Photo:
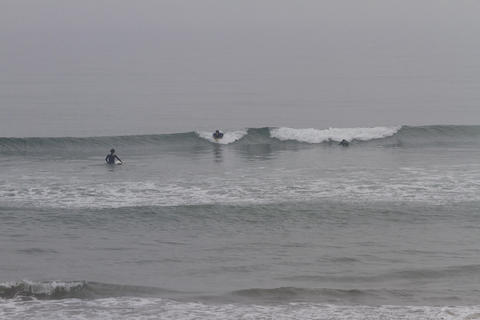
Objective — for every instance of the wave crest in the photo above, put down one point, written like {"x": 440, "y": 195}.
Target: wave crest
{"x": 41, "y": 290}
{"x": 332, "y": 134}
{"x": 397, "y": 136}
{"x": 55, "y": 290}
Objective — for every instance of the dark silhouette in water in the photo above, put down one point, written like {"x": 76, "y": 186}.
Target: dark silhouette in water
{"x": 217, "y": 135}
{"x": 344, "y": 143}
{"x": 110, "y": 158}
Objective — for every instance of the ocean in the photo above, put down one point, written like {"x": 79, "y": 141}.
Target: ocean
{"x": 267, "y": 223}
{"x": 275, "y": 221}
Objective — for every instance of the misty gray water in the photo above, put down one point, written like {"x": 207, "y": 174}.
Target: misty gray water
{"x": 274, "y": 221}
{"x": 260, "y": 218}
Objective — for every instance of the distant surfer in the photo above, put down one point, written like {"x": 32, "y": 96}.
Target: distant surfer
{"x": 217, "y": 135}
{"x": 344, "y": 143}
{"x": 110, "y": 158}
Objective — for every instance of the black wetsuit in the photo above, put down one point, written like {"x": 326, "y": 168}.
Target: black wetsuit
{"x": 110, "y": 158}
{"x": 218, "y": 135}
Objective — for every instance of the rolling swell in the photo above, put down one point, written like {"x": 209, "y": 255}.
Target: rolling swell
{"x": 61, "y": 145}
{"x": 328, "y": 295}
{"x": 56, "y": 290}
{"x": 355, "y": 296}
{"x": 86, "y": 290}
{"x": 405, "y": 136}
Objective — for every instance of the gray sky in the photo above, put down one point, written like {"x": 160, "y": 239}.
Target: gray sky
{"x": 72, "y": 65}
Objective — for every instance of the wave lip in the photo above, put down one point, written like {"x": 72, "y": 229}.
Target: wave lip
{"x": 228, "y": 136}
{"x": 42, "y": 290}
{"x": 311, "y": 135}
{"x": 57, "y": 290}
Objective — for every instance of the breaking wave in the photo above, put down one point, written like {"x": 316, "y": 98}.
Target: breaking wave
{"x": 397, "y": 136}
{"x": 333, "y": 134}
{"x": 60, "y": 290}
{"x": 55, "y": 290}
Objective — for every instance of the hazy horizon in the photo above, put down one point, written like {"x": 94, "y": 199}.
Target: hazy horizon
{"x": 117, "y": 67}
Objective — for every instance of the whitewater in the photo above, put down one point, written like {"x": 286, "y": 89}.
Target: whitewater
{"x": 271, "y": 222}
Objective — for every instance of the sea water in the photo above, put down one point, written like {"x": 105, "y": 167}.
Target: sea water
{"x": 267, "y": 223}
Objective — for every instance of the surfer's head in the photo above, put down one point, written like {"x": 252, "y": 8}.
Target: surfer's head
{"x": 112, "y": 150}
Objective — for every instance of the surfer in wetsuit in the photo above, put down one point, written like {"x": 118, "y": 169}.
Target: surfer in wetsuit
{"x": 110, "y": 158}
{"x": 344, "y": 143}
{"x": 217, "y": 135}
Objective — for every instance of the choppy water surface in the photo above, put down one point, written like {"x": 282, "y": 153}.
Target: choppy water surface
{"x": 269, "y": 222}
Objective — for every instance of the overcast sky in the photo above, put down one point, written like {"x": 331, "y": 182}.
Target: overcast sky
{"x": 372, "y": 62}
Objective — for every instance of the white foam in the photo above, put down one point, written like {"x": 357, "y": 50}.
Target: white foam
{"x": 332, "y": 134}
{"x": 228, "y": 136}
{"x": 155, "y": 308}
{"x": 439, "y": 184}
{"x": 45, "y": 288}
